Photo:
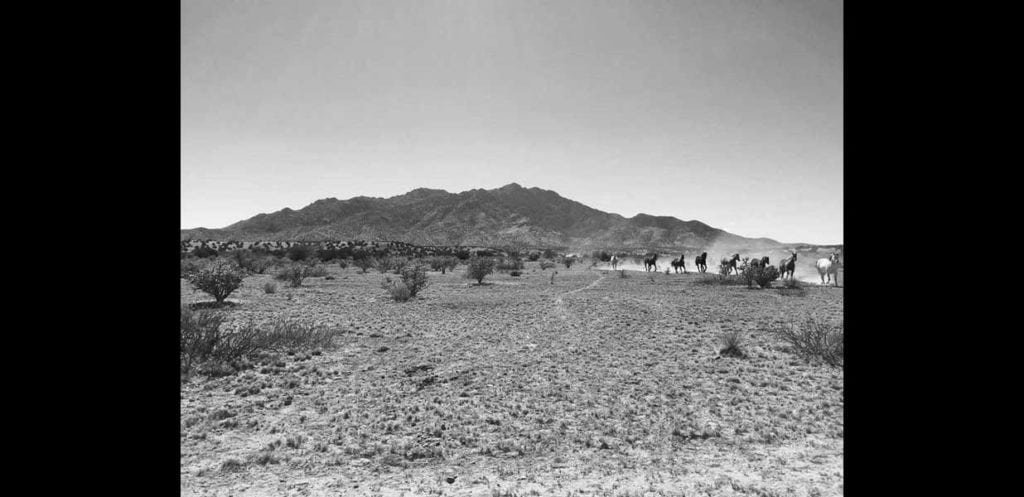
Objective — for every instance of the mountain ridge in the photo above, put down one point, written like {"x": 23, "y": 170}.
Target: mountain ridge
{"x": 511, "y": 215}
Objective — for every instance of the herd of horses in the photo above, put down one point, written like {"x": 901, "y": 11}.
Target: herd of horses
{"x": 827, "y": 267}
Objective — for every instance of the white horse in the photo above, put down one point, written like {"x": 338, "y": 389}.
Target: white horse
{"x": 615, "y": 262}
{"x": 829, "y": 267}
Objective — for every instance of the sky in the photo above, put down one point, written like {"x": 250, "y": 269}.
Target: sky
{"x": 724, "y": 111}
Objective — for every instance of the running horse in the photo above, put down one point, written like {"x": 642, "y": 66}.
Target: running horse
{"x": 701, "y": 261}
{"x": 829, "y": 267}
{"x": 651, "y": 262}
{"x": 731, "y": 262}
{"x": 615, "y": 262}
{"x": 788, "y": 266}
{"x": 679, "y": 263}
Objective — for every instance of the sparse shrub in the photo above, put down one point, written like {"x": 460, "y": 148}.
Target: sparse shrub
{"x": 792, "y": 287}
{"x": 622, "y": 274}
{"x": 250, "y": 261}
{"x": 731, "y": 344}
{"x": 269, "y": 287}
{"x": 218, "y": 279}
{"x": 289, "y": 334}
{"x": 293, "y": 275}
{"x": 568, "y": 261}
{"x": 516, "y": 273}
{"x": 189, "y": 266}
{"x": 232, "y": 465}
{"x": 546, "y": 265}
{"x": 199, "y": 333}
{"x": 314, "y": 271}
{"x": 398, "y": 290}
{"x": 384, "y": 263}
{"x": 533, "y": 256}
{"x": 203, "y": 252}
{"x": 479, "y": 267}
{"x": 443, "y": 263}
{"x": 364, "y": 263}
{"x": 343, "y": 263}
{"x": 510, "y": 264}
{"x": 415, "y": 277}
{"x": 724, "y": 269}
{"x": 299, "y": 252}
{"x": 762, "y": 276}
{"x": 814, "y": 340}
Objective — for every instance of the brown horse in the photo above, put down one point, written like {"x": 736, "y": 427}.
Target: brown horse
{"x": 651, "y": 262}
{"x": 679, "y": 263}
{"x": 788, "y": 266}
{"x": 701, "y": 261}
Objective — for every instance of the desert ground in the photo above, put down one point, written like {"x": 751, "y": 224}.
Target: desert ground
{"x": 594, "y": 384}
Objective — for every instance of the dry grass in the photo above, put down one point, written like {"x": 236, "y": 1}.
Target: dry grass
{"x": 592, "y": 385}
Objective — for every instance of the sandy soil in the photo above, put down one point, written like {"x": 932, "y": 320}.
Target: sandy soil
{"x": 593, "y": 385}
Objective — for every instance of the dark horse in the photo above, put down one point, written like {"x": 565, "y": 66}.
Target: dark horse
{"x": 651, "y": 262}
{"x": 761, "y": 263}
{"x": 701, "y": 261}
{"x": 679, "y": 263}
{"x": 731, "y": 262}
{"x": 788, "y": 266}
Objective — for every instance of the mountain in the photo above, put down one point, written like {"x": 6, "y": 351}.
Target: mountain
{"x": 508, "y": 216}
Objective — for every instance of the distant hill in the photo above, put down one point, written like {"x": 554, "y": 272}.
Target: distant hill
{"x": 506, "y": 216}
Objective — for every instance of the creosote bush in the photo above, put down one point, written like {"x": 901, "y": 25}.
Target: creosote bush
{"x": 211, "y": 348}
{"x": 546, "y": 265}
{"x": 364, "y": 263}
{"x": 398, "y": 290}
{"x": 293, "y": 275}
{"x": 414, "y": 276}
{"x": 762, "y": 276}
{"x": 814, "y": 339}
{"x": 269, "y": 287}
{"x": 479, "y": 267}
{"x": 218, "y": 279}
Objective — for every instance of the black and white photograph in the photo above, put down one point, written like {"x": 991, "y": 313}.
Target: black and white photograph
{"x": 511, "y": 248}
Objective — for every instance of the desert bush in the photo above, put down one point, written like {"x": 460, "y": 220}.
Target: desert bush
{"x": 314, "y": 271}
{"x": 479, "y": 267}
{"x": 299, "y": 252}
{"x": 762, "y": 276}
{"x": 510, "y": 264}
{"x": 533, "y": 256}
{"x": 720, "y": 279}
{"x": 568, "y": 261}
{"x": 203, "y": 252}
{"x": 250, "y": 261}
{"x": 343, "y": 263}
{"x": 516, "y": 273}
{"x": 724, "y": 269}
{"x": 293, "y": 275}
{"x": 218, "y": 279}
{"x": 414, "y": 276}
{"x": 398, "y": 290}
{"x": 364, "y": 263}
{"x": 207, "y": 346}
{"x": 443, "y": 263}
{"x": 287, "y": 334}
{"x": 269, "y": 287}
{"x": 384, "y": 263}
{"x": 190, "y": 266}
{"x": 546, "y": 265}
{"x": 731, "y": 344}
{"x": 792, "y": 287}
{"x": 813, "y": 340}
{"x": 622, "y": 274}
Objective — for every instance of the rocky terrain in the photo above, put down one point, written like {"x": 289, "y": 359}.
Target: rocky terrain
{"x": 587, "y": 384}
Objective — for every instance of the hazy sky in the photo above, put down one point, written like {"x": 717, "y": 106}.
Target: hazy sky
{"x": 728, "y": 112}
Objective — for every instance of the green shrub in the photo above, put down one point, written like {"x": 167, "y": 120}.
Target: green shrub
{"x": 762, "y": 276}
{"x": 364, "y": 263}
{"x": 218, "y": 279}
{"x": 269, "y": 287}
